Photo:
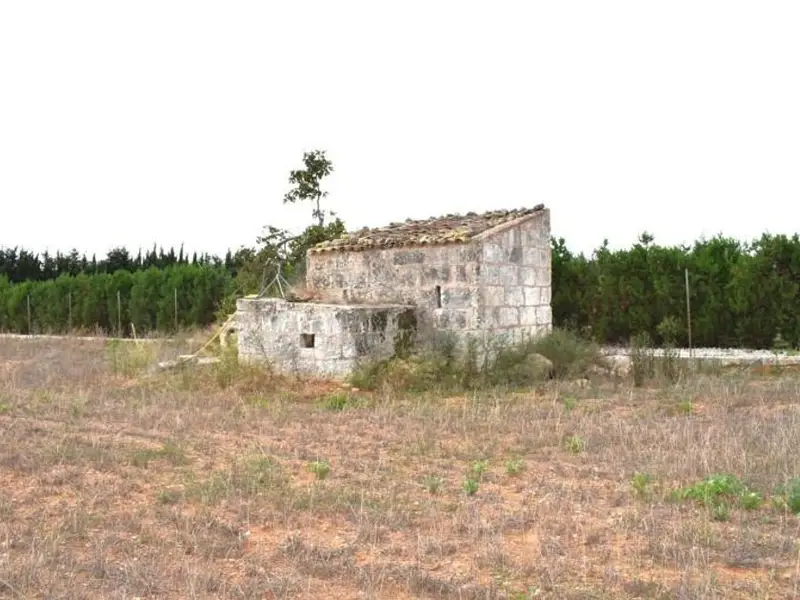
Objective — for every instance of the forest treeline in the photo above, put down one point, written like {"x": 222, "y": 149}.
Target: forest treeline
{"x": 20, "y": 265}
{"x": 741, "y": 294}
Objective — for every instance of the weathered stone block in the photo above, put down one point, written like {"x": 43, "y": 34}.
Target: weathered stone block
{"x": 529, "y": 276}
{"x": 545, "y": 295}
{"x": 459, "y": 297}
{"x": 494, "y": 295}
{"x": 441, "y": 319}
{"x": 532, "y": 296}
{"x": 504, "y": 275}
{"x": 543, "y": 276}
{"x": 545, "y": 257}
{"x": 494, "y": 253}
{"x": 465, "y": 253}
{"x": 544, "y": 315}
{"x": 530, "y": 256}
{"x": 456, "y": 320}
{"x": 506, "y": 316}
{"x": 514, "y": 296}
{"x": 435, "y": 275}
{"x": 529, "y": 315}
{"x": 409, "y": 257}
{"x": 407, "y": 278}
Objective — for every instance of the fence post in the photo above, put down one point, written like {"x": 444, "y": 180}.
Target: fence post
{"x": 175, "y": 297}
{"x": 30, "y": 327}
{"x": 69, "y": 311}
{"x": 119, "y": 316}
{"x": 688, "y": 312}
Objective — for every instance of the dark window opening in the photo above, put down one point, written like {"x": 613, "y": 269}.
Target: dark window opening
{"x": 438, "y": 296}
{"x": 306, "y": 340}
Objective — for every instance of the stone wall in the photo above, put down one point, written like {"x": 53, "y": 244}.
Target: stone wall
{"x": 440, "y": 281}
{"x": 319, "y": 339}
{"x": 515, "y": 276}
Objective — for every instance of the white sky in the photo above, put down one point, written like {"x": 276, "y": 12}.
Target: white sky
{"x": 165, "y": 121}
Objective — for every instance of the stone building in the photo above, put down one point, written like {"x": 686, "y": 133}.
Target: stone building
{"x": 475, "y": 275}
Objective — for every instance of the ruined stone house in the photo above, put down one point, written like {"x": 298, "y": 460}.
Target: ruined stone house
{"x": 474, "y": 275}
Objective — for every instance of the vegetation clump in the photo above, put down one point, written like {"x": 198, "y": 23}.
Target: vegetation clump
{"x": 718, "y": 492}
{"x": 447, "y": 368}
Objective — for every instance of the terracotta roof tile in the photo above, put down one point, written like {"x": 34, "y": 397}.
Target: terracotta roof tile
{"x": 449, "y": 229}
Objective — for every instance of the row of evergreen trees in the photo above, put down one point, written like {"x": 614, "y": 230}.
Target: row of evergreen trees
{"x": 741, "y": 295}
{"x": 152, "y": 299}
{"x": 19, "y": 265}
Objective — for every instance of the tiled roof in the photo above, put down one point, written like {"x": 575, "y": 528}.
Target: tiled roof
{"x": 449, "y": 229}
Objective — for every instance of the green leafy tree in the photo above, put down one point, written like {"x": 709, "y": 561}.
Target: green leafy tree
{"x": 280, "y": 253}
{"x": 307, "y": 182}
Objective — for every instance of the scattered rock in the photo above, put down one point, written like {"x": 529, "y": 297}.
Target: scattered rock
{"x": 540, "y": 365}
{"x": 621, "y": 365}
{"x": 612, "y": 365}
{"x": 187, "y": 360}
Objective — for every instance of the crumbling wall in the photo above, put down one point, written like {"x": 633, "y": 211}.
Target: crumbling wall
{"x": 319, "y": 339}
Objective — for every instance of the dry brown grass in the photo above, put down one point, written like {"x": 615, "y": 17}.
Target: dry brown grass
{"x": 119, "y": 483}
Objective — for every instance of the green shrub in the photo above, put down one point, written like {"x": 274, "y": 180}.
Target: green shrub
{"x": 575, "y": 444}
{"x": 514, "y": 466}
{"x": 789, "y": 495}
{"x": 129, "y": 358}
{"x": 641, "y": 482}
{"x": 432, "y": 483}
{"x": 642, "y": 358}
{"x": 320, "y": 468}
{"x": 341, "y": 401}
{"x": 571, "y": 354}
{"x": 719, "y": 492}
{"x": 445, "y": 367}
{"x": 470, "y": 486}
{"x": 712, "y": 488}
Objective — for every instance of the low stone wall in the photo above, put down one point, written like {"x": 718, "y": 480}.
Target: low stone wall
{"x": 319, "y": 339}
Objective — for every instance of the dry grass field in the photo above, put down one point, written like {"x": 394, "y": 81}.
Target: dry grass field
{"x": 226, "y": 482}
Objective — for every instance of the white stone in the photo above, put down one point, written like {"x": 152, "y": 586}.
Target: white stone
{"x": 544, "y": 315}
{"x": 533, "y": 296}
{"x": 514, "y": 296}
{"x": 494, "y": 295}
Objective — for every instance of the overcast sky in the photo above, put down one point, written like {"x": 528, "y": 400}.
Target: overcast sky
{"x": 129, "y": 123}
